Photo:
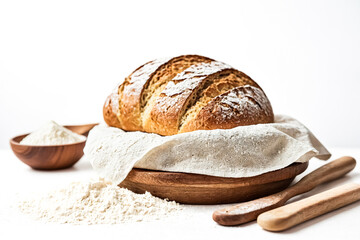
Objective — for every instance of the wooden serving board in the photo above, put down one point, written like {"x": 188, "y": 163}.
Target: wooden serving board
{"x": 202, "y": 189}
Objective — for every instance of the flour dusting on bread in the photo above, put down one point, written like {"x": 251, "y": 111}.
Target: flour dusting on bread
{"x": 143, "y": 73}
{"x": 192, "y": 76}
{"x": 187, "y": 93}
{"x": 247, "y": 98}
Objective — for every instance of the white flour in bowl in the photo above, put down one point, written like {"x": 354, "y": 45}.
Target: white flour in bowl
{"x": 52, "y": 134}
{"x": 97, "y": 202}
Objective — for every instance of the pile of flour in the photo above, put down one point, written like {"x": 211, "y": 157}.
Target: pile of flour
{"x": 97, "y": 202}
{"x": 52, "y": 134}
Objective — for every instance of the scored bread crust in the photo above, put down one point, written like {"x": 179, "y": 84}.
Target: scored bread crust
{"x": 241, "y": 106}
{"x": 131, "y": 92}
{"x": 186, "y": 93}
{"x": 171, "y": 104}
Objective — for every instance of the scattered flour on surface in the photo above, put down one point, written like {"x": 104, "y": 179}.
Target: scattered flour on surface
{"x": 97, "y": 202}
{"x": 52, "y": 134}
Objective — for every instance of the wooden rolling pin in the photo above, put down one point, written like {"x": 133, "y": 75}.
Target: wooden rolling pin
{"x": 284, "y": 217}
{"x": 249, "y": 211}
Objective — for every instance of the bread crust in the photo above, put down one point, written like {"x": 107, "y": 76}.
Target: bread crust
{"x": 130, "y": 94}
{"x": 241, "y": 106}
{"x": 111, "y": 110}
{"x": 132, "y": 90}
{"x": 173, "y": 101}
{"x": 186, "y": 93}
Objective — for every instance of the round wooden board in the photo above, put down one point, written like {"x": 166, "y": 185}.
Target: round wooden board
{"x": 202, "y": 189}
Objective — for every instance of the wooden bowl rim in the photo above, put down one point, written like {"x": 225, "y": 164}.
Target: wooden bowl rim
{"x": 144, "y": 176}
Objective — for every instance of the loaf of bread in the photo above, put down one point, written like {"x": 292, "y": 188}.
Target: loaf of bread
{"x": 184, "y": 94}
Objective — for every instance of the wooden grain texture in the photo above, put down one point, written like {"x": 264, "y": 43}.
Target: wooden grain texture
{"x": 249, "y": 211}
{"x": 81, "y": 129}
{"x": 285, "y": 217}
{"x": 51, "y": 157}
{"x": 202, "y": 189}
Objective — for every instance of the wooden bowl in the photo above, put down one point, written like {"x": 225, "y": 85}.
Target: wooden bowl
{"x": 201, "y": 189}
{"x": 51, "y": 157}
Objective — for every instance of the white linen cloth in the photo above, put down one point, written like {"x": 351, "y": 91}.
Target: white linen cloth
{"x": 243, "y": 151}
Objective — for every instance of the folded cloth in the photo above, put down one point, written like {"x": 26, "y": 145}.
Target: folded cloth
{"x": 243, "y": 151}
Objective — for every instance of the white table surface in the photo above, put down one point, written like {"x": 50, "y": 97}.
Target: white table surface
{"x": 195, "y": 221}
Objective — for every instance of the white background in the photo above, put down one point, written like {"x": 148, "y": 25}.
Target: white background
{"x": 60, "y": 59}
